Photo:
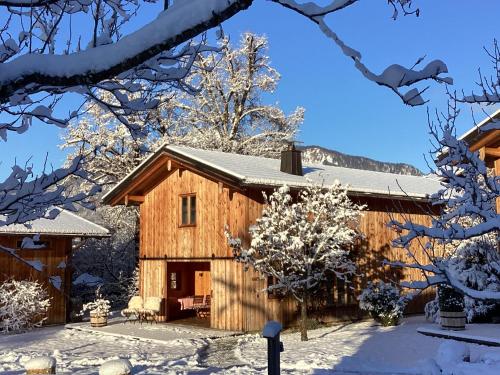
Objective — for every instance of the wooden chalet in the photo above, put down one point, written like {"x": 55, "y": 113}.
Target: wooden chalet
{"x": 188, "y": 196}
{"x": 48, "y": 259}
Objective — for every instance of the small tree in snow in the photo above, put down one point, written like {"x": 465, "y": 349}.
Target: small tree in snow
{"x": 23, "y": 305}
{"x": 99, "y": 306}
{"x": 299, "y": 242}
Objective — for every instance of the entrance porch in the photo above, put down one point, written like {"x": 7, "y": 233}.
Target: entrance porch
{"x": 188, "y": 293}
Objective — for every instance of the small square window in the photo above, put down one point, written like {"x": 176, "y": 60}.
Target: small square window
{"x": 188, "y": 210}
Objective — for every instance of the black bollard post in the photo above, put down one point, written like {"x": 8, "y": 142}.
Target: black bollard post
{"x": 271, "y": 332}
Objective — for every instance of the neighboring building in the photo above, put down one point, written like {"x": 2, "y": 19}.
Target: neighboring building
{"x": 187, "y": 197}
{"x": 486, "y": 140}
{"x": 48, "y": 259}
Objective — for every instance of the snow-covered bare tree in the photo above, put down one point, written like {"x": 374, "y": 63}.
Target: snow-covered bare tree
{"x": 228, "y": 113}
{"x": 489, "y": 86}
{"x": 46, "y": 54}
{"x": 302, "y": 239}
{"x": 468, "y": 211}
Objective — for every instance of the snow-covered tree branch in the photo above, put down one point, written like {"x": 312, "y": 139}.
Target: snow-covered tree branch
{"x": 24, "y": 198}
{"x": 489, "y": 87}
{"x": 467, "y": 205}
{"x": 395, "y": 77}
{"x": 44, "y": 56}
{"x": 301, "y": 241}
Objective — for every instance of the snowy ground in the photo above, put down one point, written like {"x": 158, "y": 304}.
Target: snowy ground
{"x": 345, "y": 349}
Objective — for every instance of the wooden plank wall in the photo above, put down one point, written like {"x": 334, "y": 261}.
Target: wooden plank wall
{"x": 59, "y": 250}
{"x": 153, "y": 281}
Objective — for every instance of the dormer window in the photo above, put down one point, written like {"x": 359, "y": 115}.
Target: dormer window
{"x": 188, "y": 210}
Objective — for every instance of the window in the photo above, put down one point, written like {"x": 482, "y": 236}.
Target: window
{"x": 174, "y": 281}
{"x": 188, "y": 210}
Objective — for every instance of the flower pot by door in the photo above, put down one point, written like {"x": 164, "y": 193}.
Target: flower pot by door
{"x": 454, "y": 321}
{"x": 98, "y": 320}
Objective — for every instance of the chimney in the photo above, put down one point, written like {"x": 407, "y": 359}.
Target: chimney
{"x": 291, "y": 160}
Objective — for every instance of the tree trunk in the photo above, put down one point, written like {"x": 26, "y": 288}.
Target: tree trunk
{"x": 303, "y": 318}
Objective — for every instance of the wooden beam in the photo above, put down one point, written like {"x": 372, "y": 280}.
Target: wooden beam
{"x": 221, "y": 187}
{"x": 130, "y": 199}
{"x": 486, "y": 140}
{"x": 135, "y": 198}
{"x": 497, "y": 173}
{"x": 490, "y": 151}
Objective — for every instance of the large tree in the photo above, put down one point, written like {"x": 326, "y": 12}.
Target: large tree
{"x": 229, "y": 113}
{"x": 44, "y": 55}
{"x": 302, "y": 241}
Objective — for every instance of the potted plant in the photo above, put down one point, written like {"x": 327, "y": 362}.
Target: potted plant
{"x": 451, "y": 308}
{"x": 384, "y": 303}
{"x": 99, "y": 310}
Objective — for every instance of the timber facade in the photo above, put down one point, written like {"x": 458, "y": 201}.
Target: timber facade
{"x": 53, "y": 255}
{"x": 184, "y": 252}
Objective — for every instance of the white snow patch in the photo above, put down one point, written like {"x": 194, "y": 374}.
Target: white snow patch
{"x": 87, "y": 279}
{"x": 116, "y": 367}
{"x": 452, "y": 352}
{"x": 40, "y": 363}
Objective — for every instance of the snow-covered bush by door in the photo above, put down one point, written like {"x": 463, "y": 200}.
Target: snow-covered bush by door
{"x": 23, "y": 305}
{"x": 99, "y": 306}
{"x": 476, "y": 264}
{"x": 384, "y": 302}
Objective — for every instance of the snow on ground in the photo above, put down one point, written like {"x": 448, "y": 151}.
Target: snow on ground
{"x": 362, "y": 347}
{"x": 82, "y": 352}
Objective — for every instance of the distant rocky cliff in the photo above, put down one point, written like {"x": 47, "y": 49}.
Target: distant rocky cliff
{"x": 320, "y": 155}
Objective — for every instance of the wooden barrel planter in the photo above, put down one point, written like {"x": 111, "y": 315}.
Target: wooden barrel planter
{"x": 454, "y": 321}
{"x": 98, "y": 320}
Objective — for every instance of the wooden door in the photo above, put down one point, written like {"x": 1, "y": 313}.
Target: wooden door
{"x": 202, "y": 283}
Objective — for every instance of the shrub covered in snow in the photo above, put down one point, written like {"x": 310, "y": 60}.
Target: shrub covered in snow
{"x": 116, "y": 367}
{"x": 384, "y": 302}
{"x": 475, "y": 264}
{"x": 450, "y": 299}
{"x": 23, "y": 305}
{"x": 99, "y": 306}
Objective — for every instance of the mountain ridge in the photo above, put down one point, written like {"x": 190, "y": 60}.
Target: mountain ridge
{"x": 313, "y": 154}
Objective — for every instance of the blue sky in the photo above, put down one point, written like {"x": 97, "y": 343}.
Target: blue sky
{"x": 344, "y": 111}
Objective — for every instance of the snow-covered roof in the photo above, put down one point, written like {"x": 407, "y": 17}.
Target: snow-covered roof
{"x": 262, "y": 172}
{"x": 64, "y": 224}
{"x": 476, "y": 130}
{"x": 252, "y": 170}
